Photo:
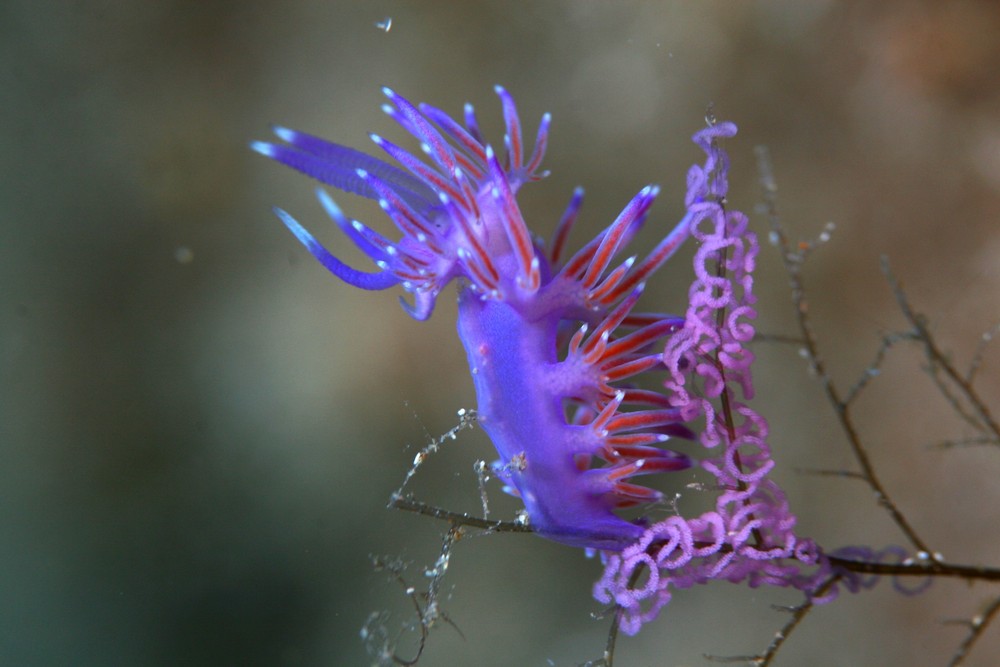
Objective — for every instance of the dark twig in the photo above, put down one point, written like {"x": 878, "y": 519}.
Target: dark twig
{"x": 923, "y": 568}
{"x": 408, "y": 504}
{"x": 941, "y": 382}
{"x": 798, "y": 614}
{"x": 781, "y": 636}
{"x": 975, "y": 441}
{"x": 939, "y": 360}
{"x": 977, "y": 624}
{"x": 875, "y": 367}
{"x": 387, "y": 654}
{"x": 928, "y": 567}
{"x": 425, "y": 605}
{"x": 716, "y": 360}
{"x": 822, "y": 472}
{"x": 609, "y": 647}
{"x": 792, "y": 260}
{"x": 608, "y": 658}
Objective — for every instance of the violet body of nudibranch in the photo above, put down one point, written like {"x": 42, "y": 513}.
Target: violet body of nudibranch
{"x": 549, "y": 340}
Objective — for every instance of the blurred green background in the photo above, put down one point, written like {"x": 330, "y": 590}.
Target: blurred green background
{"x": 200, "y": 428}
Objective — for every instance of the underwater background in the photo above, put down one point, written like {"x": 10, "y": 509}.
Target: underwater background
{"x": 200, "y": 428}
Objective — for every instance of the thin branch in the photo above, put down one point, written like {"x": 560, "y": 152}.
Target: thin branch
{"x": 716, "y": 360}
{"x": 466, "y": 420}
{"x": 875, "y": 367}
{"x": 375, "y": 634}
{"x": 928, "y": 567}
{"x": 482, "y": 476}
{"x": 781, "y": 636}
{"x": 976, "y": 441}
{"x": 609, "y": 647}
{"x": 800, "y": 612}
{"x": 608, "y": 659}
{"x": 792, "y": 260}
{"x": 388, "y": 654}
{"x": 951, "y": 398}
{"x": 977, "y": 625}
{"x": 425, "y": 603}
{"x": 408, "y": 504}
{"x": 822, "y": 472}
{"x": 937, "y": 358}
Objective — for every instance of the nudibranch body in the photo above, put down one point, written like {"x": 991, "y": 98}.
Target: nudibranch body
{"x": 549, "y": 340}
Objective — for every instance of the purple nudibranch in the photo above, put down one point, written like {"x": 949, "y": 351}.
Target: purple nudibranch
{"x": 549, "y": 340}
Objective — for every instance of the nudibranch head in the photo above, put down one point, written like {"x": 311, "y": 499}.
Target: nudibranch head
{"x": 550, "y": 341}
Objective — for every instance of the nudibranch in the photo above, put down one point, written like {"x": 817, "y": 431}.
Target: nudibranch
{"x": 550, "y": 341}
